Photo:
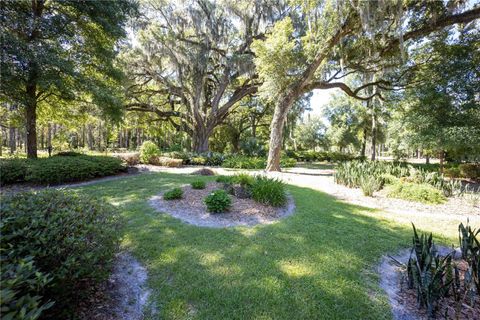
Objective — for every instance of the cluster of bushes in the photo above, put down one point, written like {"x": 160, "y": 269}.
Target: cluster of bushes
{"x": 464, "y": 170}
{"x": 260, "y": 188}
{"x": 406, "y": 181}
{"x": 244, "y": 162}
{"x": 58, "y": 169}
{"x": 150, "y": 153}
{"x": 435, "y": 277}
{"x": 321, "y": 156}
{"x": 54, "y": 246}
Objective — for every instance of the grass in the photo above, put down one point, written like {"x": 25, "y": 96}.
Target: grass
{"x": 318, "y": 263}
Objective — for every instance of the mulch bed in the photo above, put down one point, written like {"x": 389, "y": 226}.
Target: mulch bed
{"x": 246, "y": 212}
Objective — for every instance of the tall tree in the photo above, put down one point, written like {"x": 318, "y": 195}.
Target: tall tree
{"x": 441, "y": 112}
{"x": 59, "y": 49}
{"x": 194, "y": 63}
{"x": 335, "y": 39}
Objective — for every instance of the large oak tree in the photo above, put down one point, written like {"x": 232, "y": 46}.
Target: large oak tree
{"x": 193, "y": 62}
{"x": 335, "y": 39}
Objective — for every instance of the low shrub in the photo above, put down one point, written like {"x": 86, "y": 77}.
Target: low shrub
{"x": 453, "y": 172}
{"x": 198, "y": 184}
{"x": 198, "y": 161}
{"x": 148, "y": 152}
{"x": 244, "y": 162}
{"x": 470, "y": 170}
{"x": 416, "y": 192}
{"x": 12, "y": 170}
{"x": 55, "y": 244}
{"x": 173, "y": 194}
{"x": 56, "y": 170}
{"x": 218, "y": 201}
{"x": 269, "y": 191}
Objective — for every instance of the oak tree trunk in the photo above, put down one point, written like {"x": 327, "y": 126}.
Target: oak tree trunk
{"x": 31, "y": 121}
{"x": 374, "y": 135}
{"x": 200, "y": 139}
{"x": 276, "y": 132}
{"x": 12, "y": 140}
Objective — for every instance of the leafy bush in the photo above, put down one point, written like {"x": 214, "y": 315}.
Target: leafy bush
{"x": 61, "y": 169}
{"x": 54, "y": 245}
{"x": 269, "y": 191}
{"x": 173, "y": 194}
{"x": 148, "y": 151}
{"x": 12, "y": 170}
{"x": 453, "y": 172}
{"x": 198, "y": 184}
{"x": 218, "y": 201}
{"x": 416, "y": 192}
{"x": 470, "y": 170}
{"x": 244, "y": 162}
{"x": 56, "y": 170}
{"x": 198, "y": 161}
{"x": 321, "y": 156}
{"x": 370, "y": 184}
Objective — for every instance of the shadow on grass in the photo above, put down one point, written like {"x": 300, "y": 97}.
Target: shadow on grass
{"x": 308, "y": 266}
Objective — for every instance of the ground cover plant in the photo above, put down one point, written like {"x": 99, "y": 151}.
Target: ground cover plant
{"x": 54, "y": 245}
{"x": 294, "y": 268}
{"x": 424, "y": 193}
{"x": 58, "y": 169}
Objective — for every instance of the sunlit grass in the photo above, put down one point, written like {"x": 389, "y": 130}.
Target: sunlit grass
{"x": 316, "y": 264}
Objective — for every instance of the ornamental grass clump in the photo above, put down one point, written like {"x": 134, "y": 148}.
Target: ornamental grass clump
{"x": 218, "y": 201}
{"x": 269, "y": 191}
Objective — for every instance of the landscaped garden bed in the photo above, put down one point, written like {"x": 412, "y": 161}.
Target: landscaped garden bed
{"x": 435, "y": 282}
{"x": 191, "y": 204}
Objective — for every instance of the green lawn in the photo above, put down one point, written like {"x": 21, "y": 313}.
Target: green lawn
{"x": 316, "y": 264}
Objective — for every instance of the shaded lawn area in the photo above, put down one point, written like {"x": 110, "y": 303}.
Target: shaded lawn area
{"x": 317, "y": 264}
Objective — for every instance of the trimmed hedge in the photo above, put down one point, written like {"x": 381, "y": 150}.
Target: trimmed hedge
{"x": 244, "y": 162}
{"x": 55, "y": 245}
{"x": 321, "y": 156}
{"x": 58, "y": 169}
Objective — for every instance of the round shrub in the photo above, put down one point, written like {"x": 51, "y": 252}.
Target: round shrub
{"x": 54, "y": 244}
{"x": 148, "y": 151}
{"x": 173, "y": 194}
{"x": 424, "y": 193}
{"x": 243, "y": 179}
{"x": 218, "y": 201}
{"x": 269, "y": 191}
{"x": 198, "y": 184}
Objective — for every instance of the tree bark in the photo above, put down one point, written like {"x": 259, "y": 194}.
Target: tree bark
{"x": 374, "y": 133}
{"x": 31, "y": 121}
{"x": 364, "y": 142}
{"x": 441, "y": 157}
{"x": 276, "y": 132}
{"x": 200, "y": 139}
{"x": 49, "y": 139}
{"x": 12, "y": 140}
